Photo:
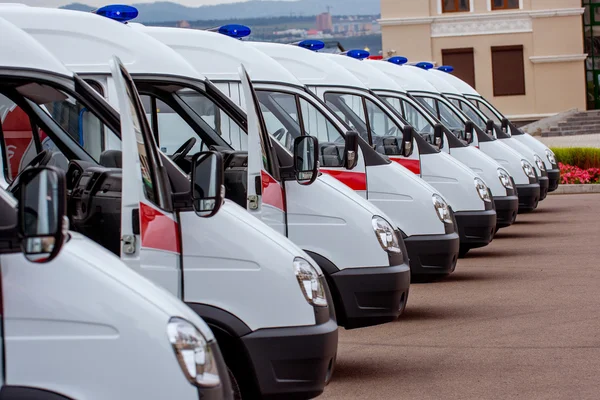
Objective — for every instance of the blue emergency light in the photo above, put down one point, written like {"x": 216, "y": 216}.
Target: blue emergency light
{"x": 398, "y": 60}
{"x": 311, "y": 44}
{"x": 358, "y": 54}
{"x": 118, "y": 12}
{"x": 235, "y": 31}
{"x": 424, "y": 65}
{"x": 446, "y": 68}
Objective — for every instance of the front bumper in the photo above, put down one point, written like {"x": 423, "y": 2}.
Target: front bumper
{"x": 223, "y": 391}
{"x": 507, "y": 208}
{"x": 554, "y": 179}
{"x": 432, "y": 254}
{"x": 370, "y": 296}
{"x": 293, "y": 362}
{"x": 544, "y": 187}
{"x": 529, "y": 196}
{"x": 475, "y": 228}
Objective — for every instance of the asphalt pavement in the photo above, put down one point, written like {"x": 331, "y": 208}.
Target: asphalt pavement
{"x": 519, "y": 319}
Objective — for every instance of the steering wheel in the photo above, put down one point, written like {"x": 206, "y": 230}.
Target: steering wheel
{"x": 278, "y": 134}
{"x": 184, "y": 150}
{"x": 392, "y": 131}
{"x": 41, "y": 159}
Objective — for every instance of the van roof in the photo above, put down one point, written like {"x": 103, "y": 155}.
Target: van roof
{"x": 440, "y": 84}
{"x": 366, "y": 72}
{"x": 85, "y": 42}
{"x": 404, "y": 76}
{"x": 309, "y": 67}
{"x": 219, "y": 57}
{"x": 21, "y": 51}
{"x": 455, "y": 81}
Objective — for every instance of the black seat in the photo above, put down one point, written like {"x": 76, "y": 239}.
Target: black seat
{"x": 332, "y": 155}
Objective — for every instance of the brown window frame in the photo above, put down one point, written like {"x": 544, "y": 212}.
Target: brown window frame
{"x": 497, "y": 92}
{"x": 462, "y": 50}
{"x": 456, "y": 7}
{"x": 504, "y": 6}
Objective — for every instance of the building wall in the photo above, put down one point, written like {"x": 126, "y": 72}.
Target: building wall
{"x": 550, "y": 32}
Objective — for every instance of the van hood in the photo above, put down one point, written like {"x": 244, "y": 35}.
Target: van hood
{"x": 351, "y": 195}
{"x": 89, "y": 252}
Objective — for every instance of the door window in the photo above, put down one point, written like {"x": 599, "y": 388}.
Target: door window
{"x": 380, "y": 123}
{"x": 350, "y": 109}
{"x": 172, "y": 130}
{"x": 473, "y": 115}
{"x": 487, "y": 111}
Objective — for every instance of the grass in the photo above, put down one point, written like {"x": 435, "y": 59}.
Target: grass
{"x": 582, "y": 157}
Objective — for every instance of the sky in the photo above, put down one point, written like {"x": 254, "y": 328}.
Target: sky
{"x": 95, "y": 3}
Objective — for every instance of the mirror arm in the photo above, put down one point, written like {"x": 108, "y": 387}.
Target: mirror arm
{"x": 287, "y": 173}
{"x": 182, "y": 201}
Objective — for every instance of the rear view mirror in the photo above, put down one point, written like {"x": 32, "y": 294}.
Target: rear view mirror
{"x": 505, "y": 123}
{"x": 351, "y": 150}
{"x": 407, "y": 140}
{"x": 42, "y": 213}
{"x": 469, "y": 129}
{"x": 208, "y": 190}
{"x": 438, "y": 136}
{"x": 306, "y": 159}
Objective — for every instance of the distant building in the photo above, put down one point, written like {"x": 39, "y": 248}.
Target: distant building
{"x": 183, "y": 24}
{"x": 526, "y": 56}
{"x": 324, "y": 22}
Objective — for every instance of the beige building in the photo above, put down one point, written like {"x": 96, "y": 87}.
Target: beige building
{"x": 526, "y": 56}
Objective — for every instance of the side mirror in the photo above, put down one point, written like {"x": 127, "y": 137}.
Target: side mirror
{"x": 505, "y": 123}
{"x": 208, "y": 190}
{"x": 438, "y": 136}
{"x": 469, "y": 129}
{"x": 43, "y": 224}
{"x": 306, "y": 159}
{"x": 407, "y": 140}
{"x": 351, "y": 150}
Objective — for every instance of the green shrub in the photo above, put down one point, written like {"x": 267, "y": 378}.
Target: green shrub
{"x": 582, "y": 157}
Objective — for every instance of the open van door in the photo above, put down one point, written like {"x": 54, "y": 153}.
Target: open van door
{"x": 265, "y": 193}
{"x": 150, "y": 237}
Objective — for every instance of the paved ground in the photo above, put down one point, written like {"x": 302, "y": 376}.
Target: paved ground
{"x": 518, "y": 319}
{"x": 571, "y": 141}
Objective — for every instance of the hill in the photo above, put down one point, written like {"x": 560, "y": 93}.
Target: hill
{"x": 168, "y": 11}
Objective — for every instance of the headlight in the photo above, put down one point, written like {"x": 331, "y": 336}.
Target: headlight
{"x": 550, "y": 156}
{"x": 441, "y": 208}
{"x": 386, "y": 235}
{"x": 482, "y": 190}
{"x": 528, "y": 168}
{"x": 505, "y": 178}
{"x": 540, "y": 164}
{"x": 193, "y": 353}
{"x": 311, "y": 286}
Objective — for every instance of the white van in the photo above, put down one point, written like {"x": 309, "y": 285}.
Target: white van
{"x": 433, "y": 131}
{"x": 357, "y": 106}
{"x": 414, "y": 206}
{"x": 83, "y": 325}
{"x": 522, "y": 171}
{"x": 264, "y": 298}
{"x": 507, "y": 129}
{"x": 451, "y": 92}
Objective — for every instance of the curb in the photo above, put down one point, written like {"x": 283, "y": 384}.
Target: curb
{"x": 577, "y": 189}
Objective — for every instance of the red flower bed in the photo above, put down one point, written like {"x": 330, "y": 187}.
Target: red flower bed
{"x": 571, "y": 174}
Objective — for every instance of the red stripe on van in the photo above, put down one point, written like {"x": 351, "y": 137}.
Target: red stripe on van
{"x": 412, "y": 165}
{"x": 272, "y": 192}
{"x": 159, "y": 231}
{"x": 354, "y": 180}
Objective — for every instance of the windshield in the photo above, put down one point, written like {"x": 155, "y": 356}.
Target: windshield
{"x": 471, "y": 113}
{"x": 484, "y": 108}
{"x": 448, "y": 116}
{"x": 412, "y": 114}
